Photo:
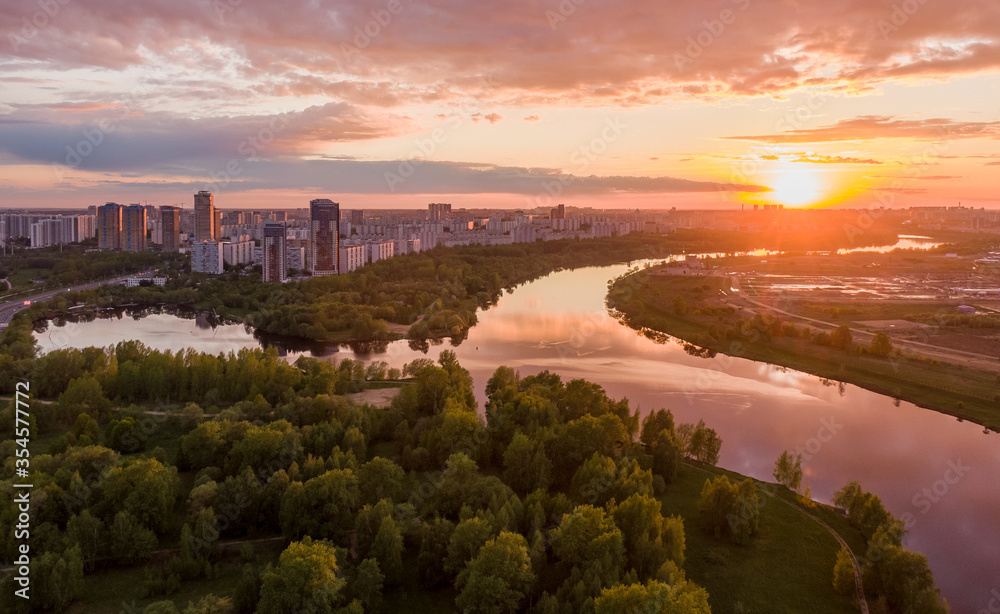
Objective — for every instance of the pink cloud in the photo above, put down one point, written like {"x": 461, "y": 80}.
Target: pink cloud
{"x": 514, "y": 50}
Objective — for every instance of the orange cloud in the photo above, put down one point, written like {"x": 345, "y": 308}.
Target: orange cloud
{"x": 871, "y": 127}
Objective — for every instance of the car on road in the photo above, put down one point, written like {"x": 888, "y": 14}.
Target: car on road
{"x": 27, "y": 302}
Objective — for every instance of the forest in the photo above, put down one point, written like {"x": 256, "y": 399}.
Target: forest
{"x": 551, "y": 499}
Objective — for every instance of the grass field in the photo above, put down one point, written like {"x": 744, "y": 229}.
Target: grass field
{"x": 120, "y": 591}
{"x": 786, "y": 568}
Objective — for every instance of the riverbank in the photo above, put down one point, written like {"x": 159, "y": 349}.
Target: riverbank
{"x": 429, "y": 295}
{"x": 690, "y": 309}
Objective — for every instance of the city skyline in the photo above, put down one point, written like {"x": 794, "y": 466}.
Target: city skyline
{"x": 518, "y": 105}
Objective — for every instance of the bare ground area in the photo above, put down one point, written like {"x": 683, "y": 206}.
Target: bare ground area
{"x": 378, "y": 397}
{"x": 987, "y": 344}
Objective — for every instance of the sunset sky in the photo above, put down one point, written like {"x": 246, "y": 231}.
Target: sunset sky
{"x": 512, "y": 103}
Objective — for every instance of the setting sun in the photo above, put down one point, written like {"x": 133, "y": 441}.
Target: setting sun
{"x": 796, "y": 188}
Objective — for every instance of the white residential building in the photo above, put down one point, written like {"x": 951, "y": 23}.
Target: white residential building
{"x": 377, "y": 250}
{"x": 351, "y": 257}
{"x": 238, "y": 251}
{"x": 206, "y": 257}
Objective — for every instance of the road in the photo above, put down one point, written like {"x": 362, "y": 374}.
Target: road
{"x": 11, "y": 308}
{"x": 936, "y": 352}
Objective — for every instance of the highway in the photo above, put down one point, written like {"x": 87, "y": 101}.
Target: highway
{"x": 11, "y": 308}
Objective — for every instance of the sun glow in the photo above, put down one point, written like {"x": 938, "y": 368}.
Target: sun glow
{"x": 796, "y": 188}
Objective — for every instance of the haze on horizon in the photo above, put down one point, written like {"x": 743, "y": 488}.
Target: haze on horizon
{"x": 515, "y": 103}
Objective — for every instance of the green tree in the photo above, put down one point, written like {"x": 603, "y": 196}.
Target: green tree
{"x": 841, "y": 337}
{"x": 731, "y": 509}
{"x": 466, "y": 540}
{"x": 143, "y": 487}
{"x": 650, "y": 539}
{"x": 705, "y": 444}
{"x": 57, "y": 578}
{"x": 387, "y": 549}
{"x": 433, "y": 552}
{"x": 654, "y": 597}
{"x": 86, "y": 531}
{"x": 84, "y": 395}
{"x": 667, "y": 453}
{"x": 211, "y": 604}
{"x": 128, "y": 541}
{"x": 788, "y": 470}
{"x": 304, "y": 580}
{"x": 247, "y": 593}
{"x": 378, "y": 479}
{"x": 322, "y": 507}
{"x": 593, "y": 482}
{"x": 125, "y": 436}
{"x": 588, "y": 539}
{"x": 843, "y": 573}
{"x": 526, "y": 466}
{"x": 367, "y": 585}
{"x": 498, "y": 578}
{"x": 905, "y": 579}
{"x": 881, "y": 344}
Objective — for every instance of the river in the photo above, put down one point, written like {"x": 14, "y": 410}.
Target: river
{"x": 560, "y": 323}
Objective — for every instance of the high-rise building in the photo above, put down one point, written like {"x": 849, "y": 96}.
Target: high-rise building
{"x": 238, "y": 251}
{"x": 207, "y": 257}
{"x": 324, "y": 236}
{"x": 109, "y": 226}
{"x": 351, "y": 257}
{"x": 46, "y": 232}
{"x": 171, "y": 228}
{"x": 204, "y": 216}
{"x": 134, "y": 229}
{"x": 275, "y": 266}
{"x": 558, "y": 213}
{"x": 357, "y": 217}
{"x": 438, "y": 212}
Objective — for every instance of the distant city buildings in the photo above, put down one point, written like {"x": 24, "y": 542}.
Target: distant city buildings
{"x": 324, "y": 229}
{"x": 273, "y": 256}
{"x": 318, "y": 240}
{"x": 437, "y": 212}
{"x": 205, "y": 219}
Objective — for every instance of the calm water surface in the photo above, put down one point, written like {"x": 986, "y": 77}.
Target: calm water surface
{"x": 560, "y": 323}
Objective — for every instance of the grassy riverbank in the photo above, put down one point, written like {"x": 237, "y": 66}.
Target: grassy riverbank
{"x": 685, "y": 308}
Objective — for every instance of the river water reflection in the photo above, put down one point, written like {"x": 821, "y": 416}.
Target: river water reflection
{"x": 560, "y": 323}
